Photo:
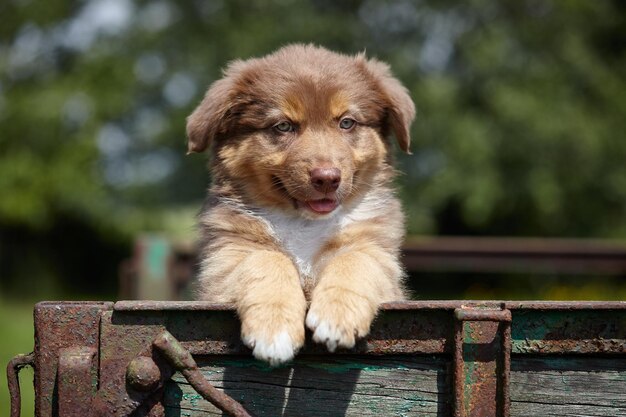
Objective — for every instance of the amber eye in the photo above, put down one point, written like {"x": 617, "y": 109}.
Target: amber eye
{"x": 347, "y": 123}
{"x": 284, "y": 127}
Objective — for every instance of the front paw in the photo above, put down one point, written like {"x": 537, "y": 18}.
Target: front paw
{"x": 272, "y": 338}
{"x": 338, "y": 317}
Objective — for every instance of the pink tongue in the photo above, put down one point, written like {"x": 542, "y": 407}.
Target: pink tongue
{"x": 324, "y": 205}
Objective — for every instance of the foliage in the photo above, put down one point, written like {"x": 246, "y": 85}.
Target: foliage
{"x": 521, "y": 133}
{"x": 520, "y": 127}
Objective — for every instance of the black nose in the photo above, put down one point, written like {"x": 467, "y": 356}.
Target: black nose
{"x": 325, "y": 180}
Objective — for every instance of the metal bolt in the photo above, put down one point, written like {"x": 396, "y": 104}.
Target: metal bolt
{"x": 143, "y": 374}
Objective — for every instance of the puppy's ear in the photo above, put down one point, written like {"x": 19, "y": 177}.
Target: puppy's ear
{"x": 209, "y": 118}
{"x": 400, "y": 107}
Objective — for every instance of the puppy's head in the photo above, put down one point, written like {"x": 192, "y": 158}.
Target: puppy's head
{"x": 303, "y": 129}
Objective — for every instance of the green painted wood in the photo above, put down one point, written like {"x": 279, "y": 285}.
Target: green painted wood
{"x": 321, "y": 386}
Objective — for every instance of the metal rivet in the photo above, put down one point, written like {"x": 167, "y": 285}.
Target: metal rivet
{"x": 143, "y": 374}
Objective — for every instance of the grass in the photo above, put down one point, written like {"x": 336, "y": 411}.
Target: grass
{"x": 16, "y": 336}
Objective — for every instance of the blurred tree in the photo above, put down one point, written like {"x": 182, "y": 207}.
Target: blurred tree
{"x": 520, "y": 127}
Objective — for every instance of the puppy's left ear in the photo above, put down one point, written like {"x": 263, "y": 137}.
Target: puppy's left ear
{"x": 400, "y": 107}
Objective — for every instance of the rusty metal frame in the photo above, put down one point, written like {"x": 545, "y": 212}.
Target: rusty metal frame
{"x": 133, "y": 362}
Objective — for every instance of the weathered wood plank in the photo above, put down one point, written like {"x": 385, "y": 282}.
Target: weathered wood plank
{"x": 550, "y": 386}
{"x": 568, "y": 386}
{"x": 325, "y": 386}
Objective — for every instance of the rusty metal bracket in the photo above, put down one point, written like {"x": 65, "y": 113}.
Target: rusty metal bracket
{"x": 482, "y": 362}
{"x": 183, "y": 362}
{"x": 140, "y": 389}
{"x": 77, "y": 380}
{"x": 13, "y": 369}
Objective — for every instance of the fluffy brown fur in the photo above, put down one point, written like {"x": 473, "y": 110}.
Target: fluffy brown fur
{"x": 301, "y": 208}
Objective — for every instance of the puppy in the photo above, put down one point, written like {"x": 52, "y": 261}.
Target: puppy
{"x": 301, "y": 208}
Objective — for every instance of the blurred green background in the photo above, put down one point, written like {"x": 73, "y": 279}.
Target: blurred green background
{"x": 520, "y": 129}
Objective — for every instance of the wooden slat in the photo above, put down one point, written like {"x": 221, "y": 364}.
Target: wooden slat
{"x": 547, "y": 386}
{"x": 568, "y": 386}
{"x": 330, "y": 386}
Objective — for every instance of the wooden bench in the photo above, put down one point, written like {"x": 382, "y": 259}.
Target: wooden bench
{"x": 161, "y": 269}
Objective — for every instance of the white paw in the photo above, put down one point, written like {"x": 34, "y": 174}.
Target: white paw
{"x": 331, "y": 334}
{"x": 276, "y": 352}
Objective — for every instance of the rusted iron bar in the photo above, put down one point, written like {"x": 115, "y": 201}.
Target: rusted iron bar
{"x": 13, "y": 368}
{"x": 182, "y": 361}
{"x": 466, "y": 314}
{"x": 482, "y": 362}
{"x": 148, "y": 305}
{"x": 504, "y": 373}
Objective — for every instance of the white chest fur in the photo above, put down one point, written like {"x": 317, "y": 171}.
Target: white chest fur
{"x": 304, "y": 238}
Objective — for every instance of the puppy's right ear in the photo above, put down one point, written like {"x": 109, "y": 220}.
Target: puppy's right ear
{"x": 209, "y": 118}
{"x": 400, "y": 107}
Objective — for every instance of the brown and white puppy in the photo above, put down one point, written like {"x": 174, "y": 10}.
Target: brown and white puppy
{"x": 301, "y": 207}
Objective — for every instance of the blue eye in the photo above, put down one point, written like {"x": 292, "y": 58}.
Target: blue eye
{"x": 284, "y": 127}
{"x": 347, "y": 123}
